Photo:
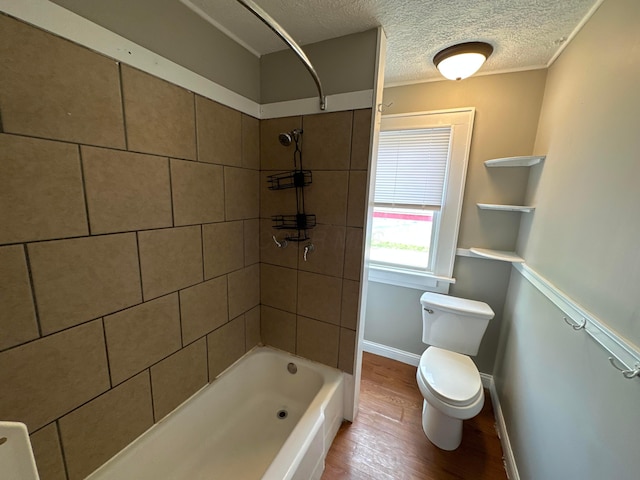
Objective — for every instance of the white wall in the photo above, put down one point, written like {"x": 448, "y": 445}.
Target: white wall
{"x": 344, "y": 64}
{"x": 170, "y": 29}
{"x": 569, "y": 414}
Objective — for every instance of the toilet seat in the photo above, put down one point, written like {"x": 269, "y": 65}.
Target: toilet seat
{"x": 451, "y": 377}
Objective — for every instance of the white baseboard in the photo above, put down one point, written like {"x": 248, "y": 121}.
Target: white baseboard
{"x": 509, "y": 460}
{"x": 390, "y": 352}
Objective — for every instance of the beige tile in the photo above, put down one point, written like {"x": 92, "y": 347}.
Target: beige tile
{"x": 241, "y": 193}
{"x": 44, "y": 379}
{"x": 198, "y": 192}
{"x": 159, "y": 116}
{"x": 317, "y": 341}
{"x": 361, "y": 139}
{"x": 53, "y": 88}
{"x": 140, "y": 336}
{"x": 17, "y": 314}
{"x": 350, "y": 304}
{"x": 252, "y": 328}
{"x": 250, "y": 142}
{"x": 48, "y": 454}
{"x": 278, "y": 328}
{"x": 273, "y": 155}
{"x": 223, "y": 248}
{"x": 95, "y": 432}
{"x": 327, "y": 141}
{"x": 177, "y": 377}
{"x": 219, "y": 133}
{"x": 319, "y": 297}
{"x": 353, "y": 254}
{"x": 170, "y": 259}
{"x": 79, "y": 279}
{"x": 278, "y": 287}
{"x": 225, "y": 346}
{"x": 126, "y": 191}
{"x": 357, "y": 198}
{"x": 347, "y": 350}
{"x": 326, "y": 197}
{"x": 203, "y": 308}
{"x": 328, "y": 254}
{"x": 40, "y": 190}
{"x": 244, "y": 290}
{"x": 251, "y": 242}
{"x": 275, "y": 202}
{"x": 269, "y": 251}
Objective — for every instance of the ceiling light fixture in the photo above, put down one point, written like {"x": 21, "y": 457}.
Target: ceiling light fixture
{"x": 462, "y": 60}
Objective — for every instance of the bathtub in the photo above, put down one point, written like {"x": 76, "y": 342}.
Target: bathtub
{"x": 255, "y": 421}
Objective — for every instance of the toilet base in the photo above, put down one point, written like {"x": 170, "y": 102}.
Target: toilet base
{"x": 443, "y": 431}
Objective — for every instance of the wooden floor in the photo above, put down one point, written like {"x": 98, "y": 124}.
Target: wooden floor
{"x": 386, "y": 439}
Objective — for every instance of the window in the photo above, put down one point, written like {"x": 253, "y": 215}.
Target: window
{"x": 419, "y": 183}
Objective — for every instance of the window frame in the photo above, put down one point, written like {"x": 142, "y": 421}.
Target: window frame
{"x": 446, "y": 236}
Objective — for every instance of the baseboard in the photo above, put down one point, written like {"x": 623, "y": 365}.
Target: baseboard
{"x": 390, "y": 352}
{"x": 509, "y": 460}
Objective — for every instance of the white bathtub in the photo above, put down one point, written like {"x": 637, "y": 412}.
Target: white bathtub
{"x": 232, "y": 429}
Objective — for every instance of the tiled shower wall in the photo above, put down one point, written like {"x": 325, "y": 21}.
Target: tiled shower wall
{"x": 133, "y": 217}
{"x": 129, "y": 255}
{"x": 310, "y": 307}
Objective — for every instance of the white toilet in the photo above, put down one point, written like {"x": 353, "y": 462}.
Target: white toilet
{"x": 448, "y": 379}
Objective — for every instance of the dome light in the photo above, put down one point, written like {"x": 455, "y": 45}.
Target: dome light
{"x": 462, "y": 60}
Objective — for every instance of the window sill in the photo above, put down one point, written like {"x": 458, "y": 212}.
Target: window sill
{"x": 409, "y": 279}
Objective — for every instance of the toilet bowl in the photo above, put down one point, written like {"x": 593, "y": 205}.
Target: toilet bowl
{"x": 447, "y": 377}
{"x": 452, "y": 389}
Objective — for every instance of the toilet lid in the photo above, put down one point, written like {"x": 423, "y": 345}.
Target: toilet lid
{"x": 450, "y": 376}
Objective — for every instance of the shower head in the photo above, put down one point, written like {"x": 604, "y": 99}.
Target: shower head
{"x": 286, "y": 138}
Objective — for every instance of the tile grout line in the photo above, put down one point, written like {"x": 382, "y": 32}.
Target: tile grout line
{"x": 62, "y": 454}
{"x": 180, "y": 319}
{"x": 173, "y": 215}
{"x": 153, "y": 403}
{"x": 204, "y": 276}
{"x": 33, "y": 293}
{"x": 84, "y": 190}
{"x": 195, "y": 125}
{"x": 117, "y": 149}
{"x": 124, "y": 117}
{"x": 93, "y": 235}
{"x": 140, "y": 268}
{"x": 106, "y": 351}
{"x": 85, "y": 322}
{"x": 206, "y": 345}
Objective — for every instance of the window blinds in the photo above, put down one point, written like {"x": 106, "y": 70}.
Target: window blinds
{"x": 412, "y": 165}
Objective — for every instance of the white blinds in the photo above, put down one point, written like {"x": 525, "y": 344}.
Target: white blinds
{"x": 412, "y": 165}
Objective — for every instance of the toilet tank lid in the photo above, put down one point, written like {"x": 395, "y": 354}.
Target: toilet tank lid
{"x": 456, "y": 305}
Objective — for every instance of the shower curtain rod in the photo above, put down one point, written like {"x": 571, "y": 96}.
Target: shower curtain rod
{"x": 291, "y": 43}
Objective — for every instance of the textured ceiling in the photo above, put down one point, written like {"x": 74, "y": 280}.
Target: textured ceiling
{"x": 524, "y": 33}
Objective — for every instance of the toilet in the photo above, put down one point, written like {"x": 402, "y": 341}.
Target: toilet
{"x": 448, "y": 379}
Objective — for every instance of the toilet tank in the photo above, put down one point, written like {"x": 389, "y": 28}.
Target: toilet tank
{"x": 453, "y": 323}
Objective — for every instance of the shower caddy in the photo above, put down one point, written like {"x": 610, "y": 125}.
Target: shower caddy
{"x": 298, "y": 178}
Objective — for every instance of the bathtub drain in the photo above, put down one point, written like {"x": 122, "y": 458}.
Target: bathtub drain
{"x": 282, "y": 414}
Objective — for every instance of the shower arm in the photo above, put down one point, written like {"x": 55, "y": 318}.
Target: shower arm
{"x": 291, "y": 43}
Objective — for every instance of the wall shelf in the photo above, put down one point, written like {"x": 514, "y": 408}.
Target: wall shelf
{"x": 497, "y": 255}
{"x": 526, "y": 161}
{"x": 506, "y": 208}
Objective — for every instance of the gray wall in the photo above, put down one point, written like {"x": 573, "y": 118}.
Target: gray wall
{"x": 171, "y": 30}
{"x": 507, "y": 111}
{"x": 569, "y": 414}
{"x": 344, "y": 64}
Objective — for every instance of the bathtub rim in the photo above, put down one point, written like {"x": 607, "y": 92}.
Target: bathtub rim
{"x": 333, "y": 383}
